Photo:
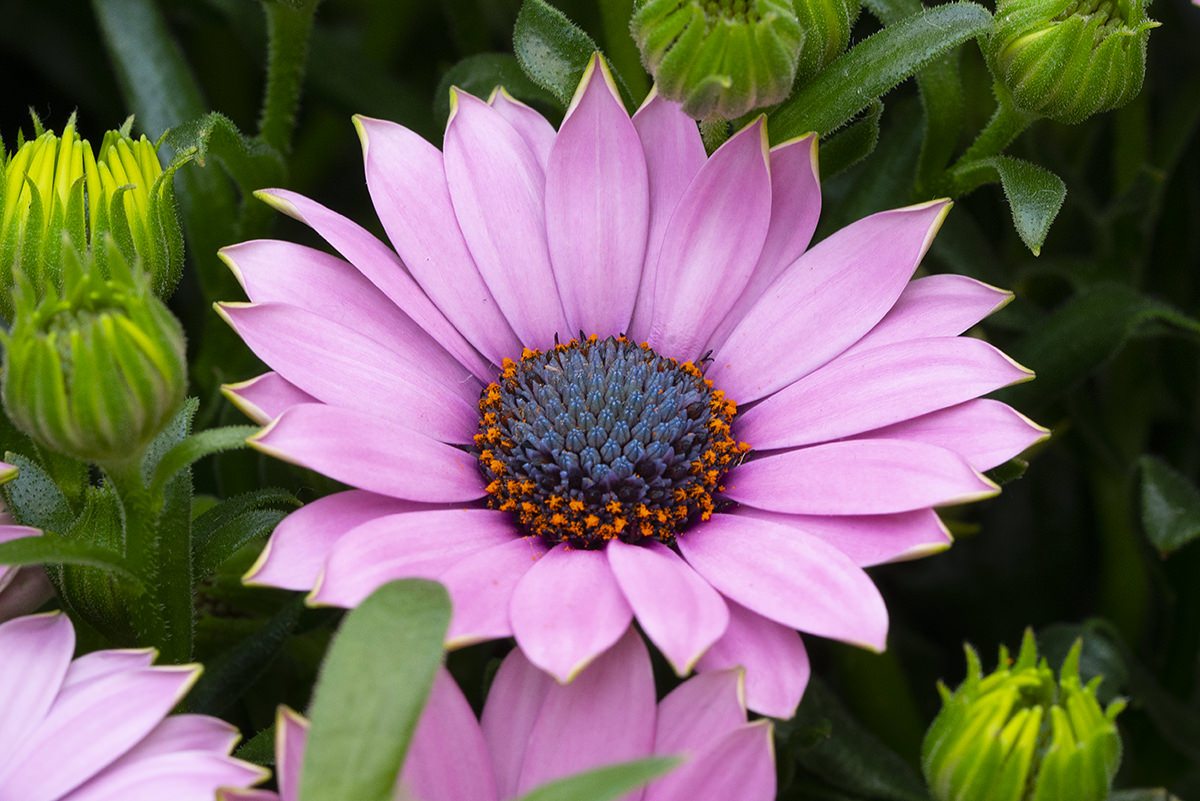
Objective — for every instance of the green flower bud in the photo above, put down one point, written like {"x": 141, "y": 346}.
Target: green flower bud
{"x": 96, "y": 372}
{"x": 1069, "y": 59}
{"x": 826, "y": 25}
{"x": 1017, "y": 735}
{"x": 53, "y": 184}
{"x": 719, "y": 58}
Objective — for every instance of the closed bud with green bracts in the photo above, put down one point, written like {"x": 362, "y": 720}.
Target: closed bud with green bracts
{"x": 719, "y": 58}
{"x": 826, "y": 25}
{"x": 1018, "y": 735}
{"x": 96, "y": 371}
{"x": 55, "y": 185}
{"x": 1069, "y": 59}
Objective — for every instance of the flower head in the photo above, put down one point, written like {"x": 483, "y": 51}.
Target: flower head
{"x": 544, "y": 396}
{"x": 98, "y": 726}
{"x": 98, "y": 371}
{"x": 1017, "y": 735}
{"x": 55, "y": 190}
{"x": 534, "y": 730}
{"x": 22, "y": 589}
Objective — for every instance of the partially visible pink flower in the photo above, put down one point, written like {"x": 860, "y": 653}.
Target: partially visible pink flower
{"x": 535, "y": 731}
{"x": 533, "y": 396}
{"x": 97, "y": 728}
{"x": 22, "y": 589}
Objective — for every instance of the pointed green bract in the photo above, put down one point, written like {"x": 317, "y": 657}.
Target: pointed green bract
{"x": 1017, "y": 734}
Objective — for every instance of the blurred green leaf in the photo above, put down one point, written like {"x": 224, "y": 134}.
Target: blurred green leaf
{"x": 827, "y": 741}
{"x": 259, "y": 749}
{"x": 371, "y": 691}
{"x": 196, "y": 447}
{"x": 852, "y": 144}
{"x": 1082, "y": 334}
{"x": 553, "y": 51}
{"x": 48, "y": 549}
{"x": 603, "y": 784}
{"x": 480, "y": 74}
{"x": 874, "y": 66}
{"x": 1170, "y": 505}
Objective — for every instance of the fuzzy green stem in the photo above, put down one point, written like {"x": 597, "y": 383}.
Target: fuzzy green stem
{"x": 160, "y": 558}
{"x": 714, "y": 131}
{"x": 288, "y": 30}
{"x": 1006, "y": 124}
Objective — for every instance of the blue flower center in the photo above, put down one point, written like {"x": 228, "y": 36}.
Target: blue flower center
{"x": 596, "y": 440}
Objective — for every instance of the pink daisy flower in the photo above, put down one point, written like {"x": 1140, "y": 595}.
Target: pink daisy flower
{"x": 22, "y": 589}
{"x": 535, "y": 731}
{"x": 96, "y": 728}
{"x": 544, "y": 395}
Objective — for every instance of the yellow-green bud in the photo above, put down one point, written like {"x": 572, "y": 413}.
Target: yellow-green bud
{"x": 1017, "y": 735}
{"x": 96, "y": 372}
{"x": 719, "y": 58}
{"x": 1069, "y": 59}
{"x": 826, "y": 25}
{"x": 54, "y": 184}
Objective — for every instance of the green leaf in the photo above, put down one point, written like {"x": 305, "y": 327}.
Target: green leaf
{"x": 1034, "y": 194}
{"x": 1009, "y": 471}
{"x": 480, "y": 74}
{"x": 251, "y": 163}
{"x": 259, "y": 749}
{"x": 1170, "y": 505}
{"x": 553, "y": 51}
{"x": 230, "y": 524}
{"x": 229, "y": 675}
{"x": 852, "y": 144}
{"x": 371, "y": 691}
{"x": 874, "y": 66}
{"x": 33, "y": 497}
{"x": 827, "y": 741}
{"x": 1082, "y": 334}
{"x": 48, "y": 549}
{"x": 196, "y": 447}
{"x": 603, "y": 784}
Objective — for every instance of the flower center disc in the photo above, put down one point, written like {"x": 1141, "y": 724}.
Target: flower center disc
{"x": 595, "y": 440}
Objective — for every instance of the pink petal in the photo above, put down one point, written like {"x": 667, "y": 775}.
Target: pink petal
{"x": 791, "y": 577}
{"x": 606, "y": 715}
{"x": 934, "y": 306}
{"x": 302, "y": 541}
{"x": 711, "y": 244}
{"x": 408, "y": 186}
{"x": 481, "y": 586}
{"x": 567, "y": 610}
{"x": 408, "y": 545}
{"x": 498, "y": 190}
{"x": 597, "y": 208}
{"x": 857, "y": 477}
{"x": 186, "y": 776}
{"x": 776, "y": 664}
{"x": 674, "y": 154}
{"x": 37, "y": 652}
{"x": 291, "y": 734}
{"x": 282, "y": 272}
{"x": 700, "y": 711}
{"x": 339, "y": 366}
{"x": 877, "y": 387}
{"x": 509, "y": 715}
{"x": 186, "y": 733}
{"x": 795, "y": 207}
{"x": 677, "y": 609}
{"x": 89, "y": 726}
{"x": 371, "y": 454}
{"x": 382, "y": 267}
{"x": 869, "y": 539}
{"x": 825, "y": 301}
{"x": 23, "y": 590}
{"x": 99, "y": 664}
{"x": 741, "y": 765}
{"x": 265, "y": 397}
{"x": 985, "y": 432}
{"x": 447, "y": 760}
{"x": 535, "y": 129}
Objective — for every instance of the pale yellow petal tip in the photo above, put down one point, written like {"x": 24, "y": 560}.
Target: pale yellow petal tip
{"x": 230, "y": 391}
{"x": 224, "y": 255}
{"x": 8, "y": 473}
{"x": 358, "y": 119}
{"x": 454, "y": 91}
{"x": 279, "y": 204}
{"x": 922, "y": 551}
